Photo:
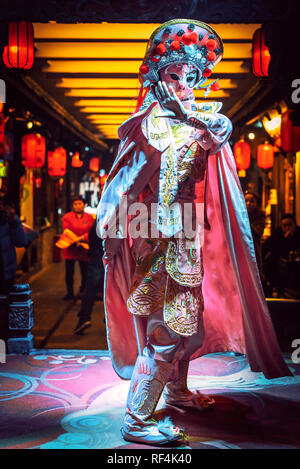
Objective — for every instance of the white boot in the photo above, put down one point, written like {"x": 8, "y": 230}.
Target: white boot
{"x": 176, "y": 392}
{"x": 147, "y": 382}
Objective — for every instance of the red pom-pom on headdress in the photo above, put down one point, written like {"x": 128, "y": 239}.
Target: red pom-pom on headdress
{"x": 211, "y": 56}
{"x": 206, "y": 72}
{"x": 186, "y": 39}
{"x": 175, "y": 45}
{"x": 161, "y": 49}
{"x": 211, "y": 44}
{"x": 215, "y": 86}
{"x": 194, "y": 37}
{"x": 144, "y": 69}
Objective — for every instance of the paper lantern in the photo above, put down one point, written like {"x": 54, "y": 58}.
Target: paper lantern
{"x": 76, "y": 161}
{"x": 94, "y": 164}
{"x": 33, "y": 147}
{"x": 242, "y": 155}
{"x": 290, "y": 134}
{"x": 57, "y": 162}
{"x": 265, "y": 156}
{"x": 19, "y": 53}
{"x": 260, "y": 54}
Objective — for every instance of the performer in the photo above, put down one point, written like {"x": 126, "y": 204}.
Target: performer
{"x": 174, "y": 293}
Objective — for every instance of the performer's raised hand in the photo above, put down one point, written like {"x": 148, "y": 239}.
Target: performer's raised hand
{"x": 170, "y": 102}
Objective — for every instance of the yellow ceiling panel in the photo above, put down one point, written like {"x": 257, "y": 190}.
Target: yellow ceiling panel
{"x": 111, "y": 116}
{"x": 98, "y": 83}
{"x": 107, "y": 102}
{"x": 115, "y": 50}
{"x": 116, "y": 66}
{"x": 102, "y": 93}
{"x": 109, "y": 119}
{"x": 128, "y": 30}
{"x": 91, "y": 50}
{"x": 109, "y": 109}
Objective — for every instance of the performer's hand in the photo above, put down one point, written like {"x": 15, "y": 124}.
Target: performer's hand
{"x": 169, "y": 101}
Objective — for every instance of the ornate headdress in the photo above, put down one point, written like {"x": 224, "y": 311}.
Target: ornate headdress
{"x": 181, "y": 41}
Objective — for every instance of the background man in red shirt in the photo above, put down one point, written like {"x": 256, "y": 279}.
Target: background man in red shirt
{"x": 79, "y": 222}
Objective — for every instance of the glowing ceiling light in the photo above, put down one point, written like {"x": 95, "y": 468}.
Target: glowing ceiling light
{"x": 251, "y": 135}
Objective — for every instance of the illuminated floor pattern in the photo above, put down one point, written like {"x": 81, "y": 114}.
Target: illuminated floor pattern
{"x": 52, "y": 400}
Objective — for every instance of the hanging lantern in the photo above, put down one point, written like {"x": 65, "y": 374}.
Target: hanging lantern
{"x": 94, "y": 164}
{"x": 260, "y": 54}
{"x": 33, "y": 147}
{"x": 76, "y": 161}
{"x": 290, "y": 134}
{"x": 242, "y": 155}
{"x": 2, "y": 134}
{"x": 57, "y": 162}
{"x": 265, "y": 156}
{"x": 19, "y": 53}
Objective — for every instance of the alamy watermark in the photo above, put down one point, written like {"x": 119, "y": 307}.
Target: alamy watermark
{"x": 2, "y": 351}
{"x": 138, "y": 220}
{"x": 2, "y": 91}
{"x": 296, "y": 93}
{"x": 296, "y": 353}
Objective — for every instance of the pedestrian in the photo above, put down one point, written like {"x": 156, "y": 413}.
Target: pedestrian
{"x": 173, "y": 294}
{"x": 12, "y": 235}
{"x": 281, "y": 258}
{"x": 257, "y": 224}
{"x": 79, "y": 222}
{"x": 94, "y": 281}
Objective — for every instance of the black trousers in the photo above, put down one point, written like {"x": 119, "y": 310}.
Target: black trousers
{"x": 94, "y": 285}
{"x": 70, "y": 264}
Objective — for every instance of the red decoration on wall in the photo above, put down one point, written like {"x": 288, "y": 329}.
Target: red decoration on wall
{"x": 33, "y": 148}
{"x": 94, "y": 164}
{"x": 19, "y": 53}
{"x": 242, "y": 155}
{"x": 57, "y": 162}
{"x": 76, "y": 161}
{"x": 290, "y": 135}
{"x": 265, "y": 156}
{"x": 260, "y": 54}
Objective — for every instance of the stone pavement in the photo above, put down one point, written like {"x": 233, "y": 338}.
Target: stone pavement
{"x": 55, "y": 319}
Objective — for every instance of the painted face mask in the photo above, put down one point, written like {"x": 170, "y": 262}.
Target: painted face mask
{"x": 181, "y": 77}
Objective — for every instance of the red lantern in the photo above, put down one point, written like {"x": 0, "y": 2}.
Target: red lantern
{"x": 2, "y": 134}
{"x": 20, "y": 52}
{"x": 33, "y": 148}
{"x": 94, "y": 164}
{"x": 290, "y": 134}
{"x": 57, "y": 162}
{"x": 76, "y": 161}
{"x": 265, "y": 156}
{"x": 242, "y": 155}
{"x": 260, "y": 54}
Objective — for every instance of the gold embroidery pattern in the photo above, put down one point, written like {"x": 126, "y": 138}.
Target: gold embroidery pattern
{"x": 182, "y": 308}
{"x": 175, "y": 249}
{"x": 147, "y": 291}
